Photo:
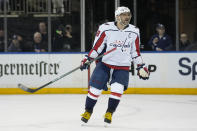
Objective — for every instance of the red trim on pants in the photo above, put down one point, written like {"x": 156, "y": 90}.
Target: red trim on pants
{"x": 116, "y": 94}
{"x": 93, "y": 94}
{"x": 117, "y": 67}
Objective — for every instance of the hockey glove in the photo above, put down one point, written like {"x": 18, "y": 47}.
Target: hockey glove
{"x": 143, "y": 72}
{"x": 84, "y": 64}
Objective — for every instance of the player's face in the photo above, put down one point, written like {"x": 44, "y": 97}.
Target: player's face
{"x": 125, "y": 18}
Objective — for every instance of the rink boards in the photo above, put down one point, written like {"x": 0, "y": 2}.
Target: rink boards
{"x": 171, "y": 73}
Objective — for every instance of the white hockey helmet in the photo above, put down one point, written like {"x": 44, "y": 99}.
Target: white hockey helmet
{"x": 121, "y": 10}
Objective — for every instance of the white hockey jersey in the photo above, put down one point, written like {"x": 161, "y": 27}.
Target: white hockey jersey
{"x": 126, "y": 41}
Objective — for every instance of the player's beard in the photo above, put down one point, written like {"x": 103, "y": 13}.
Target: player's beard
{"x": 124, "y": 22}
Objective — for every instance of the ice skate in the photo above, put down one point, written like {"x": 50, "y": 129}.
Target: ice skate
{"x": 108, "y": 117}
{"x": 86, "y": 116}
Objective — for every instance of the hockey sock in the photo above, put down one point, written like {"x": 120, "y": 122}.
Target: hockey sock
{"x": 112, "y": 104}
{"x": 90, "y": 103}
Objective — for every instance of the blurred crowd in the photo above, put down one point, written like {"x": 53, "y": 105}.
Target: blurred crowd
{"x": 30, "y": 34}
{"x": 65, "y": 37}
{"x": 161, "y": 41}
{"x": 63, "y": 40}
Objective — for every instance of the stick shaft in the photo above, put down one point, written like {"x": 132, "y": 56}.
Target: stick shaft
{"x": 58, "y": 78}
{"x": 73, "y": 70}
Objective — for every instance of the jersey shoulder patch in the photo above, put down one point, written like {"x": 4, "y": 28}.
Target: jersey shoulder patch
{"x": 98, "y": 33}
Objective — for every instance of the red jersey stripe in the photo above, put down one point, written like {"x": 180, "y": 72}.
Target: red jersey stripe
{"x": 90, "y": 52}
{"x": 137, "y": 45}
{"x": 99, "y": 41}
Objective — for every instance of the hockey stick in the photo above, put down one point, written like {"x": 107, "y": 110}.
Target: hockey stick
{"x": 25, "y": 88}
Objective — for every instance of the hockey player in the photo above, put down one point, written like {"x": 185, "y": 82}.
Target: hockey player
{"x": 114, "y": 66}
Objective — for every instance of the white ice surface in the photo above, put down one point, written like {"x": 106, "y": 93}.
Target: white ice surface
{"x": 62, "y": 113}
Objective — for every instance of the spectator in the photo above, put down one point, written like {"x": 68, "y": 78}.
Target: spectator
{"x": 184, "y": 42}
{"x": 39, "y": 45}
{"x": 64, "y": 40}
{"x": 15, "y": 45}
{"x": 1, "y": 40}
{"x": 43, "y": 31}
{"x": 160, "y": 41}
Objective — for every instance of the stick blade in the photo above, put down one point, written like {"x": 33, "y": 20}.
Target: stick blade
{"x": 25, "y": 88}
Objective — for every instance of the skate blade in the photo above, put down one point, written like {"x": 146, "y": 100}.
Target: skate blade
{"x": 106, "y": 125}
{"x": 83, "y": 123}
